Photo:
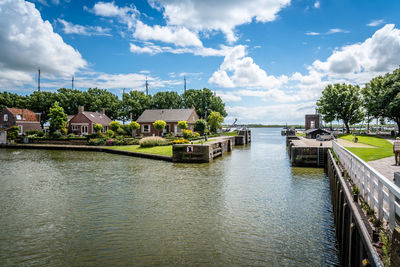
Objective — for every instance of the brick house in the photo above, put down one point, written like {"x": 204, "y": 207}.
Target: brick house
{"x": 82, "y": 123}
{"x": 170, "y": 116}
{"x": 25, "y": 119}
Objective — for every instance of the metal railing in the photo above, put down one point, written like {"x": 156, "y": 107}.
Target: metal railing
{"x": 379, "y": 192}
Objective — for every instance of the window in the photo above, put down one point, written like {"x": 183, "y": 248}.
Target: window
{"x": 18, "y": 117}
{"x": 145, "y": 128}
{"x": 20, "y": 129}
{"x": 84, "y": 129}
{"x": 5, "y": 117}
{"x": 312, "y": 124}
{"x": 74, "y": 127}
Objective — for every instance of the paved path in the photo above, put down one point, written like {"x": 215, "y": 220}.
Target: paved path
{"x": 385, "y": 166}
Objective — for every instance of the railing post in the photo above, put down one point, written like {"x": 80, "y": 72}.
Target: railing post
{"x": 380, "y": 200}
{"x": 392, "y": 211}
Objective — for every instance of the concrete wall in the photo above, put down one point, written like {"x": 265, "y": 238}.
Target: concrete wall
{"x": 353, "y": 236}
{"x": 59, "y": 142}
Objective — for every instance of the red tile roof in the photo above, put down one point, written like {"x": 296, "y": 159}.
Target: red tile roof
{"x": 28, "y": 114}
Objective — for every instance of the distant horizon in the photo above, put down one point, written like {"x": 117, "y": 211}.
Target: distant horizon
{"x": 269, "y": 60}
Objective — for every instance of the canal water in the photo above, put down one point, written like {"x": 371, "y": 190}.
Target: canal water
{"x": 248, "y": 208}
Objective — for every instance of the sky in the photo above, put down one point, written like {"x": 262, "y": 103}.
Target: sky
{"x": 269, "y": 60}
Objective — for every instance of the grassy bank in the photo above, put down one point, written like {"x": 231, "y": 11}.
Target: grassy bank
{"x": 382, "y": 148}
{"x": 158, "y": 150}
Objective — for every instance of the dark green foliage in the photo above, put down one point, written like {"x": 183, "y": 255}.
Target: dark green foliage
{"x": 57, "y": 118}
{"x": 341, "y": 102}
{"x": 133, "y": 104}
{"x": 204, "y": 101}
{"x": 12, "y": 133}
{"x": 166, "y": 100}
{"x": 200, "y": 126}
{"x": 34, "y": 132}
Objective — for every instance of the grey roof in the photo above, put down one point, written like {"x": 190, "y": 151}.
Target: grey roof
{"x": 97, "y": 117}
{"x": 316, "y": 129}
{"x": 167, "y": 115}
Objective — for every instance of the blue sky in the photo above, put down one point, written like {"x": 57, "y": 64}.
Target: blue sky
{"x": 269, "y": 60}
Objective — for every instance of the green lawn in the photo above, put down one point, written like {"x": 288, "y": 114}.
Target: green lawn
{"x": 382, "y": 148}
{"x": 300, "y": 134}
{"x": 159, "y": 150}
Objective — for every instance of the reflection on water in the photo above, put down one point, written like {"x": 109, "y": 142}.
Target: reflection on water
{"x": 82, "y": 208}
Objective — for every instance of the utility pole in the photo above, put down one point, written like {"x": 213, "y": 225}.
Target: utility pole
{"x": 72, "y": 82}
{"x": 38, "y": 88}
{"x": 123, "y": 106}
{"x": 147, "y": 87}
{"x": 184, "y": 87}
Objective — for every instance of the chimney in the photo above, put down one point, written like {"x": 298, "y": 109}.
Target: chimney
{"x": 81, "y": 109}
{"x": 23, "y": 114}
{"x": 102, "y": 111}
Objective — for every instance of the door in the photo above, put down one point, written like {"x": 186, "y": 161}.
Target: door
{"x": 84, "y": 129}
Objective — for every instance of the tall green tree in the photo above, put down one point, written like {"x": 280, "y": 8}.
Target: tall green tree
{"x": 204, "y": 101}
{"x": 12, "y": 100}
{"x": 71, "y": 99}
{"x": 41, "y": 102}
{"x": 166, "y": 100}
{"x": 58, "y": 119}
{"x": 134, "y": 103}
{"x": 214, "y": 121}
{"x": 341, "y": 102}
{"x": 101, "y": 98}
{"x": 390, "y": 97}
{"x": 372, "y": 99}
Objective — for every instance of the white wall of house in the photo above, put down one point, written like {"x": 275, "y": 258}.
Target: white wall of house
{"x": 3, "y": 137}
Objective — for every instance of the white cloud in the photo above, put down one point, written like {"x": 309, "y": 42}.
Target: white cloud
{"x": 376, "y": 22}
{"x": 337, "y": 30}
{"x": 317, "y": 4}
{"x": 153, "y": 49}
{"x": 178, "y": 36}
{"x": 362, "y": 61}
{"x": 222, "y": 15}
{"x": 238, "y": 70}
{"x": 70, "y": 28}
{"x": 127, "y": 14}
{"x": 312, "y": 33}
{"x": 28, "y": 43}
{"x": 228, "y": 96}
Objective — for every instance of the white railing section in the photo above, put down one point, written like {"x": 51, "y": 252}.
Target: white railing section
{"x": 378, "y": 191}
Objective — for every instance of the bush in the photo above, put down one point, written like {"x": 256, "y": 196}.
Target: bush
{"x": 71, "y": 135}
{"x": 180, "y": 141}
{"x": 159, "y": 125}
{"x": 56, "y": 135}
{"x": 34, "y": 132}
{"x": 97, "y": 127}
{"x": 12, "y": 133}
{"x": 121, "y": 131}
{"x": 110, "y": 133}
{"x": 187, "y": 134}
{"x": 152, "y": 141}
{"x": 200, "y": 126}
{"x": 134, "y": 125}
{"x": 64, "y": 131}
{"x": 195, "y": 135}
{"x": 115, "y": 125}
{"x": 182, "y": 125}
{"x": 96, "y": 142}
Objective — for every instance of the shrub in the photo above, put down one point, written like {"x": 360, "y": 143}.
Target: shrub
{"x": 34, "y": 132}
{"x": 56, "y": 135}
{"x": 196, "y": 135}
{"x": 200, "y": 126}
{"x": 110, "y": 142}
{"x": 182, "y": 125}
{"x": 64, "y": 131}
{"x": 96, "y": 142}
{"x": 71, "y": 135}
{"x": 214, "y": 120}
{"x": 159, "y": 125}
{"x": 180, "y": 141}
{"x": 110, "y": 133}
{"x": 152, "y": 141}
{"x": 12, "y": 133}
{"x": 134, "y": 125}
{"x": 187, "y": 134}
{"x": 115, "y": 125}
{"x": 97, "y": 127}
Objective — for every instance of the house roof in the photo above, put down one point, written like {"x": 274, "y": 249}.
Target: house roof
{"x": 316, "y": 130}
{"x": 167, "y": 115}
{"x": 69, "y": 117}
{"x": 28, "y": 114}
{"x": 97, "y": 117}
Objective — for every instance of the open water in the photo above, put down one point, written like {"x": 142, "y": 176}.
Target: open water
{"x": 248, "y": 208}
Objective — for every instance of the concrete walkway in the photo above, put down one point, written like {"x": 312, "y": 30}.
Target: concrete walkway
{"x": 385, "y": 166}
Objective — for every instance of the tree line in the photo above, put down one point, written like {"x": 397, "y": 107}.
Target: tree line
{"x": 130, "y": 107}
{"x": 378, "y": 99}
